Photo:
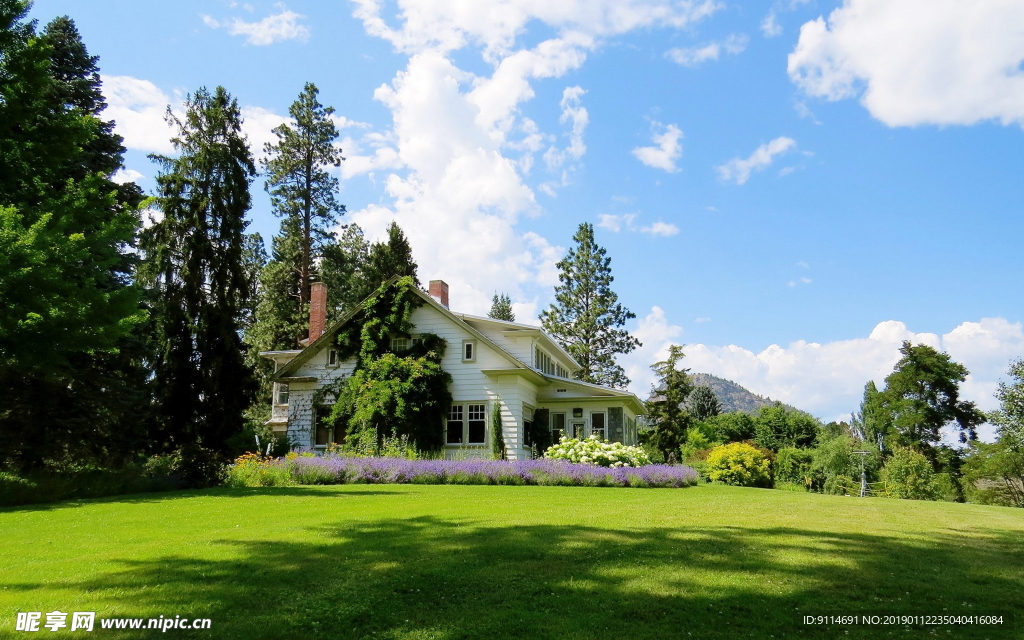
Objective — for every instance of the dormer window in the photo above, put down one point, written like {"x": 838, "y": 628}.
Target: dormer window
{"x": 468, "y": 350}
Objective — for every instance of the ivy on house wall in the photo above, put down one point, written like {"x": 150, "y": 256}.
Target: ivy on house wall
{"x": 401, "y": 393}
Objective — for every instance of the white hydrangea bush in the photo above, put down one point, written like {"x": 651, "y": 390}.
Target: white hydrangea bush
{"x": 594, "y": 451}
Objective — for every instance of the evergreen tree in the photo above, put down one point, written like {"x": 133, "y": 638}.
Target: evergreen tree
{"x": 342, "y": 269}
{"x": 704, "y": 404}
{"x": 195, "y": 264}
{"x": 389, "y": 259}
{"x": 922, "y": 395}
{"x": 67, "y": 363}
{"x": 302, "y": 190}
{"x": 586, "y": 317}
{"x": 501, "y": 308}
{"x": 666, "y": 411}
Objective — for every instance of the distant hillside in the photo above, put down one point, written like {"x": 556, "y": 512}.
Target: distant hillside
{"x": 732, "y": 396}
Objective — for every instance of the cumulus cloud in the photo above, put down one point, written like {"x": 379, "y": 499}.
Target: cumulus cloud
{"x": 666, "y": 151}
{"x": 770, "y": 26}
{"x": 274, "y": 28}
{"x": 617, "y": 222}
{"x": 940, "y": 62}
{"x": 738, "y": 170}
{"x": 827, "y": 379}
{"x": 695, "y": 56}
{"x": 459, "y": 149}
{"x": 122, "y": 176}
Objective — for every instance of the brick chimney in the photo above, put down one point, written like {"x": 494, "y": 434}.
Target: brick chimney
{"x": 317, "y": 310}
{"x": 439, "y": 291}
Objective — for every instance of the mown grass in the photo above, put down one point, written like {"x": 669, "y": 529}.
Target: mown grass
{"x": 412, "y": 562}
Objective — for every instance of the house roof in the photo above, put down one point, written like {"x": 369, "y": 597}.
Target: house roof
{"x": 518, "y": 328}
{"x": 518, "y": 366}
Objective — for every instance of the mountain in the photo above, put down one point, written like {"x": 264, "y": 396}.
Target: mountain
{"x": 732, "y": 396}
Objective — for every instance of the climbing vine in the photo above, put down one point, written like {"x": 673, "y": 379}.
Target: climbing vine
{"x": 391, "y": 392}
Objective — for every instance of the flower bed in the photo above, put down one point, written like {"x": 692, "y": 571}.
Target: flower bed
{"x": 351, "y": 470}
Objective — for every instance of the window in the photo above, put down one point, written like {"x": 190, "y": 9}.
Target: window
{"x": 468, "y": 350}
{"x": 455, "y": 424}
{"x": 282, "y": 394}
{"x": 332, "y": 358}
{"x": 467, "y": 423}
{"x": 546, "y": 364}
{"x": 477, "y": 424}
{"x": 557, "y": 426}
{"x": 597, "y": 424}
{"x": 324, "y": 432}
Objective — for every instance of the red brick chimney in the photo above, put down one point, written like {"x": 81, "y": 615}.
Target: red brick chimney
{"x": 317, "y": 310}
{"x": 439, "y": 291}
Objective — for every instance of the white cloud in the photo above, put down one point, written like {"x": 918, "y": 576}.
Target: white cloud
{"x": 692, "y": 57}
{"x": 122, "y": 176}
{"x": 668, "y": 149}
{"x": 138, "y": 108}
{"x": 459, "y": 148}
{"x": 617, "y": 222}
{"x": 916, "y": 62}
{"x": 770, "y": 26}
{"x": 275, "y": 28}
{"x": 828, "y": 379}
{"x": 738, "y": 170}
{"x": 659, "y": 228}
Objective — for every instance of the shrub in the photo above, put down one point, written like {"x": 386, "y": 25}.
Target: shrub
{"x": 594, "y": 451}
{"x": 793, "y": 466}
{"x": 254, "y": 470}
{"x": 697, "y": 444}
{"x": 908, "y": 474}
{"x": 739, "y": 464}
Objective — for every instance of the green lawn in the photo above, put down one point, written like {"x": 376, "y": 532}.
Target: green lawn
{"x": 410, "y": 561}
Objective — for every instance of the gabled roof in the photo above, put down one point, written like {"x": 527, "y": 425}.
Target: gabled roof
{"x": 328, "y": 336}
{"x": 517, "y": 365}
{"x": 513, "y": 328}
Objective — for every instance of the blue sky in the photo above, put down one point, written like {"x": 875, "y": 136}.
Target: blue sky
{"x": 788, "y": 188}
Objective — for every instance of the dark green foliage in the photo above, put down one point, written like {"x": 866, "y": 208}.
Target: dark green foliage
{"x": 994, "y": 473}
{"x": 869, "y": 424}
{"x": 70, "y": 368}
{"x": 776, "y": 427}
{"x": 586, "y": 317}
{"x": 392, "y": 394}
{"x": 730, "y": 427}
{"x": 501, "y": 308}
{"x": 703, "y": 403}
{"x": 389, "y": 259}
{"x": 921, "y": 396}
{"x": 497, "y": 433}
{"x": 666, "y": 410}
{"x": 793, "y": 465}
{"x": 908, "y": 474}
{"x": 302, "y": 190}
{"x": 195, "y": 266}
{"x": 342, "y": 269}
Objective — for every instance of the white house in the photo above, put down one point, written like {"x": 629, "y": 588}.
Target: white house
{"x": 518, "y": 365}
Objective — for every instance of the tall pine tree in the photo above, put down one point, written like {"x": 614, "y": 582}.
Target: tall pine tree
{"x": 195, "y": 263}
{"x": 586, "y": 317}
{"x": 666, "y": 410}
{"x": 302, "y": 189}
{"x": 389, "y": 259}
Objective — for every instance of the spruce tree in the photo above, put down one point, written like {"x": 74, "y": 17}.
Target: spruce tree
{"x": 302, "y": 190}
{"x": 342, "y": 269}
{"x": 666, "y": 411}
{"x": 389, "y": 259}
{"x": 586, "y": 317}
{"x": 195, "y": 264}
{"x": 501, "y": 308}
{"x": 703, "y": 403}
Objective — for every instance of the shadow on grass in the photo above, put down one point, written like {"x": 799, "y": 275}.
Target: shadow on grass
{"x": 440, "y": 578}
{"x": 216, "y": 492}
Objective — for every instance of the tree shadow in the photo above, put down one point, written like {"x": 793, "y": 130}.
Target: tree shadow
{"x": 446, "y": 578}
{"x": 218, "y": 492}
